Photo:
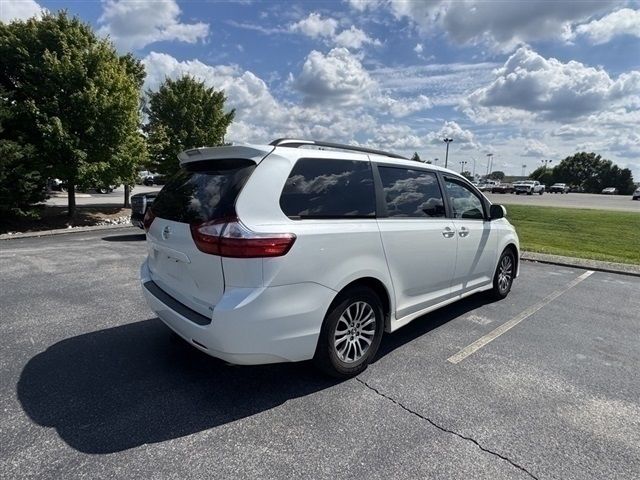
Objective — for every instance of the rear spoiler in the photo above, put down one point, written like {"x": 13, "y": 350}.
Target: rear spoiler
{"x": 246, "y": 151}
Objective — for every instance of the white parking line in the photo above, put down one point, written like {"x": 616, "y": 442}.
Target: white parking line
{"x": 505, "y": 327}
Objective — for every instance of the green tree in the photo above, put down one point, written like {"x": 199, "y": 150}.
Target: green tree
{"x": 76, "y": 99}
{"x": 544, "y": 175}
{"x": 184, "y": 114}
{"x": 415, "y": 157}
{"x": 467, "y": 175}
{"x": 593, "y": 173}
{"x": 496, "y": 175}
{"x": 21, "y": 181}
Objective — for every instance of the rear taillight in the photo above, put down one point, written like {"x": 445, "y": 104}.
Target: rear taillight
{"x": 149, "y": 217}
{"x": 230, "y": 238}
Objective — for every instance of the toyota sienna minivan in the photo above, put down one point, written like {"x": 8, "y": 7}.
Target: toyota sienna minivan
{"x": 304, "y": 250}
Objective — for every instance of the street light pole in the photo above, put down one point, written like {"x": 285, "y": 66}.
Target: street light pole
{"x": 524, "y": 167}
{"x": 545, "y": 163}
{"x": 435, "y": 161}
{"x": 474, "y": 167}
{"x": 446, "y": 156}
{"x": 489, "y": 160}
{"x": 462, "y": 164}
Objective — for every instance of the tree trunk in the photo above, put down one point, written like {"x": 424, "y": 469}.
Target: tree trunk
{"x": 127, "y": 192}
{"x": 71, "y": 194}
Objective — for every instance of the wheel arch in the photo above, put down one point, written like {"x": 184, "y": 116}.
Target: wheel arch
{"x": 379, "y": 288}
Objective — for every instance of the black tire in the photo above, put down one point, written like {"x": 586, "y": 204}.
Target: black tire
{"x": 541, "y": 192}
{"x": 327, "y": 357}
{"x": 501, "y": 289}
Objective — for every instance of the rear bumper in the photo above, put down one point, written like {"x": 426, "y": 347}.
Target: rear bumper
{"x": 251, "y": 326}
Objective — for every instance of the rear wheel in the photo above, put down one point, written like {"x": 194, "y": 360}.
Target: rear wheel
{"x": 505, "y": 273}
{"x": 351, "y": 333}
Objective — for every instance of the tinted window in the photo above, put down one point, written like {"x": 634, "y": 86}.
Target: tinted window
{"x": 411, "y": 193}
{"x": 203, "y": 191}
{"x": 320, "y": 188}
{"x": 464, "y": 202}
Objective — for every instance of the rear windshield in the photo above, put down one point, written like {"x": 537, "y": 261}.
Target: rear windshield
{"x": 203, "y": 191}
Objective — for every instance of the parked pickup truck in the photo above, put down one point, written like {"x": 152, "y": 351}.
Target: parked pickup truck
{"x": 529, "y": 187}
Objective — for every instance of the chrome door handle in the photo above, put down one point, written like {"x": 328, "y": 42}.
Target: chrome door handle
{"x": 464, "y": 231}
{"x": 448, "y": 232}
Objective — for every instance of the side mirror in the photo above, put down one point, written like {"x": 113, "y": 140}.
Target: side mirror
{"x": 497, "y": 211}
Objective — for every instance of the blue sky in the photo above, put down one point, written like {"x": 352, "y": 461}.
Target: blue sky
{"x": 524, "y": 80}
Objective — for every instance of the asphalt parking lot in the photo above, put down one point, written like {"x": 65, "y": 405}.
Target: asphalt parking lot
{"x": 93, "y": 386}
{"x": 92, "y": 197}
{"x": 622, "y": 203}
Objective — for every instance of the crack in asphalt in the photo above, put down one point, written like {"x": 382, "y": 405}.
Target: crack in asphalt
{"x": 446, "y": 430}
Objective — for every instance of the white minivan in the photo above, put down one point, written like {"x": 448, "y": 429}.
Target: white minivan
{"x": 304, "y": 250}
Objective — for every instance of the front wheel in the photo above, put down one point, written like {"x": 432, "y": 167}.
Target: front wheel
{"x": 351, "y": 333}
{"x": 505, "y": 273}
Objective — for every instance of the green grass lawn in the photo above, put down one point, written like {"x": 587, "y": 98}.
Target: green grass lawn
{"x": 594, "y": 234}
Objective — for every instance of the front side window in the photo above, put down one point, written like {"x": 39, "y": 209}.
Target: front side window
{"x": 411, "y": 193}
{"x": 321, "y": 188}
{"x": 464, "y": 202}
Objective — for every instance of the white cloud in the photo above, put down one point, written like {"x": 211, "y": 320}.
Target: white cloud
{"x": 133, "y": 25}
{"x": 529, "y": 85}
{"x": 536, "y": 148}
{"x": 315, "y": 26}
{"x": 337, "y": 77}
{"x": 621, "y": 22}
{"x": 340, "y": 116}
{"x": 401, "y": 107}
{"x": 465, "y": 138}
{"x": 354, "y": 38}
{"x": 418, "y": 48}
{"x": 502, "y": 25}
{"x": 19, "y": 10}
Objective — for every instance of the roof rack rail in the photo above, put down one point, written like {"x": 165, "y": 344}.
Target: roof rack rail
{"x": 295, "y": 143}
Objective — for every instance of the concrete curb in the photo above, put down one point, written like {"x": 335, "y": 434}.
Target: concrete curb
{"x": 63, "y": 231}
{"x": 597, "y": 265}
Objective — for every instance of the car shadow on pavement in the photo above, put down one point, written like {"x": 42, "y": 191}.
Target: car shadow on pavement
{"x": 134, "y": 384}
{"x": 423, "y": 325}
{"x": 130, "y": 237}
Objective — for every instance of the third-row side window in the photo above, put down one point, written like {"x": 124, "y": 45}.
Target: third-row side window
{"x": 321, "y": 188}
{"x": 411, "y": 193}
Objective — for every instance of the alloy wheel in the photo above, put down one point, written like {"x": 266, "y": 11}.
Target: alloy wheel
{"x": 355, "y": 331}
{"x": 505, "y": 273}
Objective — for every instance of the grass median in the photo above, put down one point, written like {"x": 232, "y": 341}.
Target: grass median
{"x": 594, "y": 234}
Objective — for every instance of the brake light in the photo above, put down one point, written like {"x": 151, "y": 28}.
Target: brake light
{"x": 230, "y": 238}
{"x": 149, "y": 217}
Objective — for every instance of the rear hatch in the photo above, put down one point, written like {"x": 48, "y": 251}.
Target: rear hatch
{"x": 202, "y": 191}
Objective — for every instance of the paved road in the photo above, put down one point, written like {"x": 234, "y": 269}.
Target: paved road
{"x": 93, "y": 198}
{"x": 570, "y": 200}
{"x": 92, "y": 386}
